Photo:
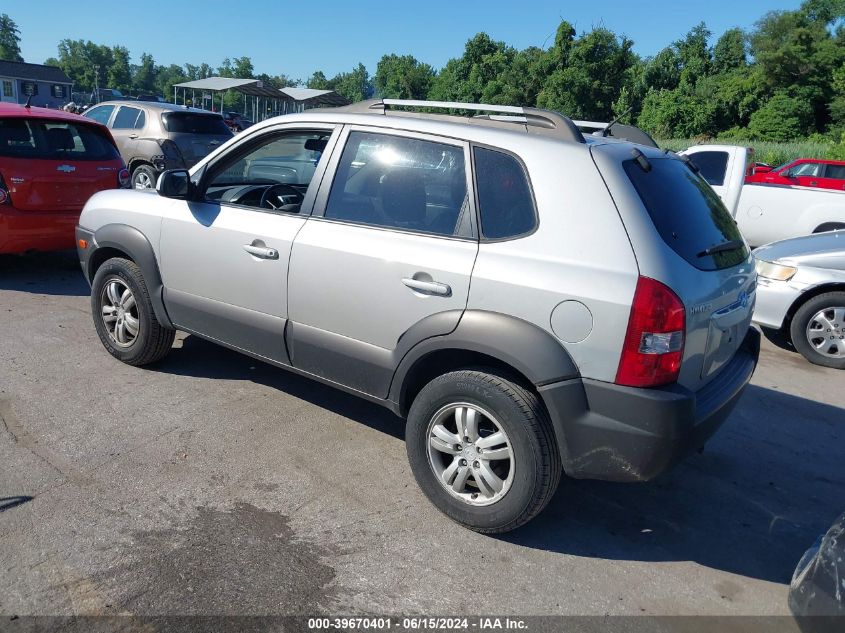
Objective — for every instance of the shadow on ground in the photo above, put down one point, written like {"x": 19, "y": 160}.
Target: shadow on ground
{"x": 202, "y": 359}
{"x": 43, "y": 273}
{"x": 769, "y": 483}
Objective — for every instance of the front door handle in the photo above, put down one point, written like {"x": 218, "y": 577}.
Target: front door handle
{"x": 133, "y": 136}
{"x": 428, "y": 287}
{"x": 261, "y": 251}
{"x": 814, "y": 183}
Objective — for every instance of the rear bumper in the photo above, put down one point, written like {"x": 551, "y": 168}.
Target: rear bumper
{"x": 22, "y": 231}
{"x": 606, "y": 431}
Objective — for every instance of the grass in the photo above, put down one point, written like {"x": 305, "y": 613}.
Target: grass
{"x": 767, "y": 151}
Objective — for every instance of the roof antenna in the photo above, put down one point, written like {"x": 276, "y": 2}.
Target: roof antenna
{"x": 28, "y": 103}
{"x": 616, "y": 120}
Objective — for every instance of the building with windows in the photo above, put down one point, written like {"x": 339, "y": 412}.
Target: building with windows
{"x": 49, "y": 86}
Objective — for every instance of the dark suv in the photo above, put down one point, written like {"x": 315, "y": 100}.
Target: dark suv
{"x": 153, "y": 137}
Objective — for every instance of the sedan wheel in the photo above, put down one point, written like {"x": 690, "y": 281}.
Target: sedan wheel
{"x": 826, "y": 332}
{"x": 817, "y": 329}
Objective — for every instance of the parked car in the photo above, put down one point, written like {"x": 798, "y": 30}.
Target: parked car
{"x": 51, "y": 162}
{"x": 817, "y": 593}
{"x": 236, "y": 122}
{"x": 443, "y": 267}
{"x": 105, "y": 94}
{"x": 153, "y": 137}
{"x": 801, "y": 295}
{"x": 771, "y": 213}
{"x": 804, "y": 172}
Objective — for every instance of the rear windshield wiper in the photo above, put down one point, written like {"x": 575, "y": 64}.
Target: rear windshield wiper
{"x": 721, "y": 248}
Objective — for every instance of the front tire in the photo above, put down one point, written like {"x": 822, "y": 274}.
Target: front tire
{"x": 818, "y": 330}
{"x": 483, "y": 450}
{"x": 124, "y": 317}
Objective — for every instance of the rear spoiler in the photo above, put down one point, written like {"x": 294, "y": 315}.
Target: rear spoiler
{"x": 617, "y": 130}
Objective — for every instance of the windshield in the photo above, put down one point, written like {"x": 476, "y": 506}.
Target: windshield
{"x": 54, "y": 140}
{"x": 687, "y": 213}
{"x": 194, "y": 123}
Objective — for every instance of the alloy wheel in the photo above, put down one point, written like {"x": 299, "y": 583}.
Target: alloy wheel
{"x": 826, "y": 332}
{"x": 119, "y": 312}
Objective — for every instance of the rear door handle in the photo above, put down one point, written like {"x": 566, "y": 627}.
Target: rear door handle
{"x": 814, "y": 182}
{"x": 133, "y": 136}
{"x": 262, "y": 251}
{"x": 428, "y": 287}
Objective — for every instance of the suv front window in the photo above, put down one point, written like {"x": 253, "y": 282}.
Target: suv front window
{"x": 100, "y": 114}
{"x": 401, "y": 183}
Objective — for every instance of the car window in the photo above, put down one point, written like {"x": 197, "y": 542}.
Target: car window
{"x": 712, "y": 165}
{"x": 835, "y": 171}
{"x": 505, "y": 203}
{"x": 55, "y": 140}
{"x": 401, "y": 183}
{"x": 687, "y": 213}
{"x": 126, "y": 118}
{"x": 100, "y": 114}
{"x": 141, "y": 121}
{"x": 274, "y": 174}
{"x": 805, "y": 169}
{"x": 194, "y": 123}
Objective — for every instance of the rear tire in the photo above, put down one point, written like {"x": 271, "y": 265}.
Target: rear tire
{"x": 124, "y": 317}
{"x": 144, "y": 177}
{"x": 488, "y": 485}
{"x": 818, "y": 330}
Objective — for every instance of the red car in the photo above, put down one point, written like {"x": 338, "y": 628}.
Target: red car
{"x": 51, "y": 162}
{"x": 803, "y": 172}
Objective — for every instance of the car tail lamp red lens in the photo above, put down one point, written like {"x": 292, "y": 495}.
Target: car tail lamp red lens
{"x": 123, "y": 177}
{"x": 654, "y": 342}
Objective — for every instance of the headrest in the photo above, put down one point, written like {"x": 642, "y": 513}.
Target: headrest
{"x": 60, "y": 138}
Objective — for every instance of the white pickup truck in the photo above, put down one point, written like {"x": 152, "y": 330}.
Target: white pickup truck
{"x": 766, "y": 213}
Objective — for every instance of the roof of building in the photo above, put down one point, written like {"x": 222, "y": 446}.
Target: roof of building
{"x": 316, "y": 97}
{"x": 256, "y": 88}
{"x": 35, "y": 72}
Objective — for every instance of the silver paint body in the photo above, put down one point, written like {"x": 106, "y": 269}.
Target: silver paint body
{"x": 344, "y": 283}
{"x": 820, "y": 260}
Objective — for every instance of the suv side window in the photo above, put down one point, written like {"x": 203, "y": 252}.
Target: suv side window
{"x": 100, "y": 114}
{"x": 126, "y": 118}
{"x": 505, "y": 201}
{"x": 401, "y": 183}
{"x": 712, "y": 165}
{"x": 274, "y": 174}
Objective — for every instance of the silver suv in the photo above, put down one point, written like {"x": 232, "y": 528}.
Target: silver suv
{"x": 529, "y": 299}
{"x": 153, "y": 137}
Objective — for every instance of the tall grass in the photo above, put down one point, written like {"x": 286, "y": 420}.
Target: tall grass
{"x": 767, "y": 151}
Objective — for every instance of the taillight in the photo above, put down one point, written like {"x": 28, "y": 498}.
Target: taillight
{"x": 123, "y": 177}
{"x": 4, "y": 192}
{"x": 654, "y": 342}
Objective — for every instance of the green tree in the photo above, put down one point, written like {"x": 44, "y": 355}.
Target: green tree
{"x": 145, "y": 76}
{"x": 402, "y": 77}
{"x": 354, "y": 85}
{"x": 86, "y": 63}
{"x": 10, "y": 39}
{"x": 119, "y": 74}
{"x": 475, "y": 76}
{"x": 730, "y": 51}
{"x": 782, "y": 118}
{"x": 318, "y": 81}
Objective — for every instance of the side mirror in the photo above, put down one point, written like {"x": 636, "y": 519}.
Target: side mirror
{"x": 174, "y": 183}
{"x": 762, "y": 169}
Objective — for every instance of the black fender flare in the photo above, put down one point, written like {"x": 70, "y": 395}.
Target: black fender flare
{"x": 135, "y": 244}
{"x": 533, "y": 352}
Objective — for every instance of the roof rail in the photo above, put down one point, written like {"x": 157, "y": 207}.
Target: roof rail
{"x": 618, "y": 130}
{"x": 535, "y": 120}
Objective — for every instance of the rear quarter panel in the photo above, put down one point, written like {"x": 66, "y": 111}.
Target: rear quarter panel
{"x": 579, "y": 253}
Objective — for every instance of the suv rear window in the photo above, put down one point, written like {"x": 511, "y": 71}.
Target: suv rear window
{"x": 54, "y": 140}
{"x": 194, "y": 123}
{"x": 686, "y": 212}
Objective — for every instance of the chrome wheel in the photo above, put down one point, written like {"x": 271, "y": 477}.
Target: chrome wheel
{"x": 119, "y": 312}
{"x": 143, "y": 181}
{"x": 826, "y": 332}
{"x": 470, "y": 454}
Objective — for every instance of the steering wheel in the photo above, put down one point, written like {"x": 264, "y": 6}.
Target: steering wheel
{"x": 288, "y": 198}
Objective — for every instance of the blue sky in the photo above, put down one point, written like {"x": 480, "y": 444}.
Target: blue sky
{"x": 297, "y": 38}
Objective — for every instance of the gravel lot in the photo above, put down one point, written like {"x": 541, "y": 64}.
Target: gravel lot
{"x": 214, "y": 484}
